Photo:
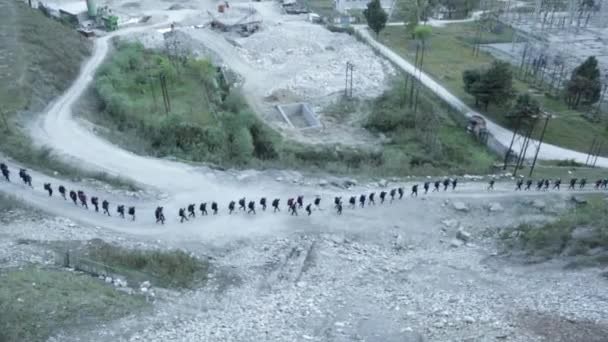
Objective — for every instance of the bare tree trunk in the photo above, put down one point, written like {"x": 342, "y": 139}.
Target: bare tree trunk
{"x": 414, "y": 80}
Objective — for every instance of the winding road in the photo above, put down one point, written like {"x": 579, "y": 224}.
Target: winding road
{"x": 181, "y": 184}
{"x": 503, "y": 135}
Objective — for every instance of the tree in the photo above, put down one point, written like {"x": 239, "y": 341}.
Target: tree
{"x": 525, "y": 107}
{"x": 492, "y": 85}
{"x": 376, "y": 16}
{"x": 422, "y": 34}
{"x": 458, "y": 8}
{"x": 584, "y": 84}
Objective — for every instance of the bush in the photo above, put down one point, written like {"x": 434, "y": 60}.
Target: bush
{"x": 553, "y": 238}
{"x": 241, "y": 146}
{"x": 170, "y": 268}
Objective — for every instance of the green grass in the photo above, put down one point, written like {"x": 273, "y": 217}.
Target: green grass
{"x": 450, "y": 54}
{"x": 163, "y": 268}
{"x": 555, "y": 237}
{"x": 324, "y": 8}
{"x": 36, "y": 303}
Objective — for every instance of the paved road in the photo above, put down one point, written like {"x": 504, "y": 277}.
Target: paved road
{"x": 503, "y": 135}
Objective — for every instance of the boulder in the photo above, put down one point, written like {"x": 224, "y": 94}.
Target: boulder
{"x": 538, "y": 204}
{"x": 350, "y": 183}
{"x": 583, "y": 233}
{"x": 455, "y": 243}
{"x": 145, "y": 284}
{"x": 323, "y": 182}
{"x": 383, "y": 183}
{"x": 450, "y": 223}
{"x": 460, "y": 206}
{"x": 495, "y": 207}
{"x": 578, "y": 200}
{"x": 463, "y": 235}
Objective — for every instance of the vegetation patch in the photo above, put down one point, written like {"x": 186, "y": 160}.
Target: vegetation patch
{"x": 209, "y": 121}
{"x": 37, "y": 303}
{"x": 176, "y": 268}
{"x": 583, "y": 230}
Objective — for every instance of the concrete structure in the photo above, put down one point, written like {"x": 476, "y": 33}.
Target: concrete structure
{"x": 238, "y": 19}
{"x": 91, "y": 8}
{"x": 299, "y": 115}
{"x": 343, "y": 6}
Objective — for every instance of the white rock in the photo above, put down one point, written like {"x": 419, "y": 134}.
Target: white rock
{"x": 495, "y": 207}
{"x": 450, "y": 223}
{"x": 463, "y": 235}
{"x": 455, "y": 243}
{"x": 469, "y": 319}
{"x": 323, "y": 182}
{"x": 145, "y": 284}
{"x": 383, "y": 183}
{"x": 460, "y": 206}
{"x": 108, "y": 280}
{"x": 538, "y": 204}
{"x": 301, "y": 284}
{"x": 143, "y": 289}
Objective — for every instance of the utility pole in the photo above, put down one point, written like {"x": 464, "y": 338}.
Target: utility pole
{"x": 508, "y": 154}
{"x": 598, "y": 152}
{"x": 524, "y": 149}
{"x": 590, "y": 154}
{"x": 540, "y": 142}
{"x": 348, "y": 87}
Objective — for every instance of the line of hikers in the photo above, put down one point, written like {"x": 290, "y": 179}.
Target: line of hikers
{"x": 293, "y": 204}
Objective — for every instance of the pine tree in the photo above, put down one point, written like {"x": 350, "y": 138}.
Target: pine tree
{"x": 376, "y": 16}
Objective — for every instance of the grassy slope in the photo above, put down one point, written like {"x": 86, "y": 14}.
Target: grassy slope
{"x": 39, "y": 58}
{"x": 450, "y": 53}
{"x": 556, "y": 237}
{"x": 35, "y": 303}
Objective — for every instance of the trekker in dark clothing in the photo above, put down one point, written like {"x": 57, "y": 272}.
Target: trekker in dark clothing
{"x": 121, "y": 211}
{"x": 47, "y": 187}
{"x": 414, "y": 190}
{"x": 132, "y": 213}
{"x": 95, "y": 202}
{"x": 382, "y": 196}
{"x": 251, "y": 206}
{"x": 182, "y": 215}
{"x": 105, "y": 205}
{"x": 263, "y": 203}
{"x": 191, "y": 210}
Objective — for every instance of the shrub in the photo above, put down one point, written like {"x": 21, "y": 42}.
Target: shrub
{"x": 241, "y": 146}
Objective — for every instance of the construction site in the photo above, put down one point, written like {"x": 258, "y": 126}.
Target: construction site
{"x": 559, "y": 34}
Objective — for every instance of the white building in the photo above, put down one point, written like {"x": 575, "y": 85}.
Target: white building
{"x": 343, "y": 6}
